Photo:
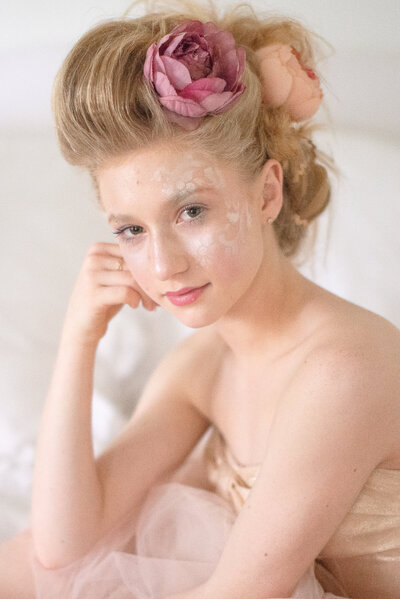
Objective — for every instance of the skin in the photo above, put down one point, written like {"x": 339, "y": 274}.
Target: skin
{"x": 227, "y": 245}
{"x": 280, "y": 357}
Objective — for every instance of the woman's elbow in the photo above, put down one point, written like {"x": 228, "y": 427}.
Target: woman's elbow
{"x": 53, "y": 556}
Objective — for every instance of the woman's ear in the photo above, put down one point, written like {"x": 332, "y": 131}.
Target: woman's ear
{"x": 270, "y": 190}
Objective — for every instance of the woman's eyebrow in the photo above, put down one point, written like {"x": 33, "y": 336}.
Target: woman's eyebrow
{"x": 173, "y": 199}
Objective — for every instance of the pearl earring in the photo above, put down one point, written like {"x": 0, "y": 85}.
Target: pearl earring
{"x": 270, "y": 220}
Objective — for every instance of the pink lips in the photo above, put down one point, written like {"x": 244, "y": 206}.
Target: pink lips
{"x": 186, "y": 295}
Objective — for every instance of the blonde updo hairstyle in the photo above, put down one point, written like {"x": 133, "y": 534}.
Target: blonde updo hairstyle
{"x": 104, "y": 106}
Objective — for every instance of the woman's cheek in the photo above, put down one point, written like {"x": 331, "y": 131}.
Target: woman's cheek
{"x": 217, "y": 250}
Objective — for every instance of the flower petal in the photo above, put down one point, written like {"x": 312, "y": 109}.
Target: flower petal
{"x": 241, "y": 54}
{"x": 183, "y": 106}
{"x": 158, "y": 64}
{"x": 215, "y": 102}
{"x": 188, "y": 123}
{"x": 163, "y": 86}
{"x": 306, "y": 109}
{"x": 304, "y": 99}
{"x": 175, "y": 41}
{"x": 202, "y": 88}
{"x": 231, "y": 101}
{"x": 276, "y": 79}
{"x": 188, "y": 26}
{"x": 224, "y": 40}
{"x": 209, "y": 28}
{"x": 177, "y": 72}
{"x": 163, "y": 42}
{"x": 213, "y": 84}
{"x": 148, "y": 63}
{"x": 197, "y": 95}
{"x": 282, "y": 51}
{"x": 230, "y": 67}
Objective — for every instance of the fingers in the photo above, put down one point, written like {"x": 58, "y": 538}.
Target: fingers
{"x": 122, "y": 294}
{"x": 98, "y": 257}
{"x": 114, "y": 277}
{"x": 109, "y": 263}
{"x": 111, "y": 296}
{"x": 120, "y": 278}
{"x": 96, "y": 263}
{"x": 109, "y": 269}
{"x": 102, "y": 247}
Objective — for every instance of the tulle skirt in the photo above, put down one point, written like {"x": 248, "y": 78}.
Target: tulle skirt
{"x": 171, "y": 546}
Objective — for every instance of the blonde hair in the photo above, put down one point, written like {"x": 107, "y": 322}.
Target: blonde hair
{"x": 104, "y": 107}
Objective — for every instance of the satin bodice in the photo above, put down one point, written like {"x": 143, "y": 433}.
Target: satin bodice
{"x": 362, "y": 559}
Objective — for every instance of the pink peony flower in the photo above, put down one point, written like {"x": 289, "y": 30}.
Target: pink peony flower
{"x": 196, "y": 70}
{"x": 287, "y": 82}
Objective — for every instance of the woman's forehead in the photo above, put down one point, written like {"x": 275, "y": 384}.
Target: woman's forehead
{"x": 165, "y": 162}
{"x": 163, "y": 172}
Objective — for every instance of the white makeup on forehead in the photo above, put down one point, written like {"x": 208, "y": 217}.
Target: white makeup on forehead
{"x": 191, "y": 172}
{"x": 159, "y": 173}
{"x": 214, "y": 175}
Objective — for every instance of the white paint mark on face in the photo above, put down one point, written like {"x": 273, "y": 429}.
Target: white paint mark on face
{"x": 231, "y": 246}
{"x": 203, "y": 254}
{"x": 249, "y": 219}
{"x": 186, "y": 177}
{"x": 233, "y": 217}
{"x": 224, "y": 244}
{"x": 167, "y": 191}
{"x": 214, "y": 176}
{"x": 194, "y": 160}
{"x": 159, "y": 173}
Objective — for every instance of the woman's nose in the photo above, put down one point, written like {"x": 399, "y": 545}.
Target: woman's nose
{"x": 168, "y": 257}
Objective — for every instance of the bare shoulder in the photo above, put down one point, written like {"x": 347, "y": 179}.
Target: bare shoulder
{"x": 355, "y": 360}
{"x": 352, "y": 335}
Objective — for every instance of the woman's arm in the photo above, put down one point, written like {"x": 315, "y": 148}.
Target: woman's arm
{"x": 339, "y": 420}
{"x": 67, "y": 495}
{"x": 77, "y": 499}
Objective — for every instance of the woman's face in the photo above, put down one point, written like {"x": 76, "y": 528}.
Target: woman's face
{"x": 184, "y": 221}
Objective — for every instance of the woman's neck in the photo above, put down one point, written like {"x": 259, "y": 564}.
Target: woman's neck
{"x": 264, "y": 320}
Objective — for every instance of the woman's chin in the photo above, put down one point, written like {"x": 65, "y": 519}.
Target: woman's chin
{"x": 194, "y": 319}
{"x": 196, "y": 323}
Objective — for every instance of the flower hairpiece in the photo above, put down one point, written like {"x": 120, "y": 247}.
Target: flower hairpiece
{"x": 287, "y": 82}
{"x": 196, "y": 70}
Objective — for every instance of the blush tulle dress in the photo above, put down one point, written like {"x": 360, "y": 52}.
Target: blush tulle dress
{"x": 173, "y": 543}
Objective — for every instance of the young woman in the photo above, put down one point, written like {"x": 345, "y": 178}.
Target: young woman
{"x": 263, "y": 458}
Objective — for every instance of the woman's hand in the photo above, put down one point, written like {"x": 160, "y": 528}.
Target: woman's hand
{"x": 103, "y": 286}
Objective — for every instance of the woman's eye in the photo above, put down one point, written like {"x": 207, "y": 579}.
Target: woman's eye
{"x": 188, "y": 214}
{"x": 192, "y": 212}
{"x": 127, "y": 233}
